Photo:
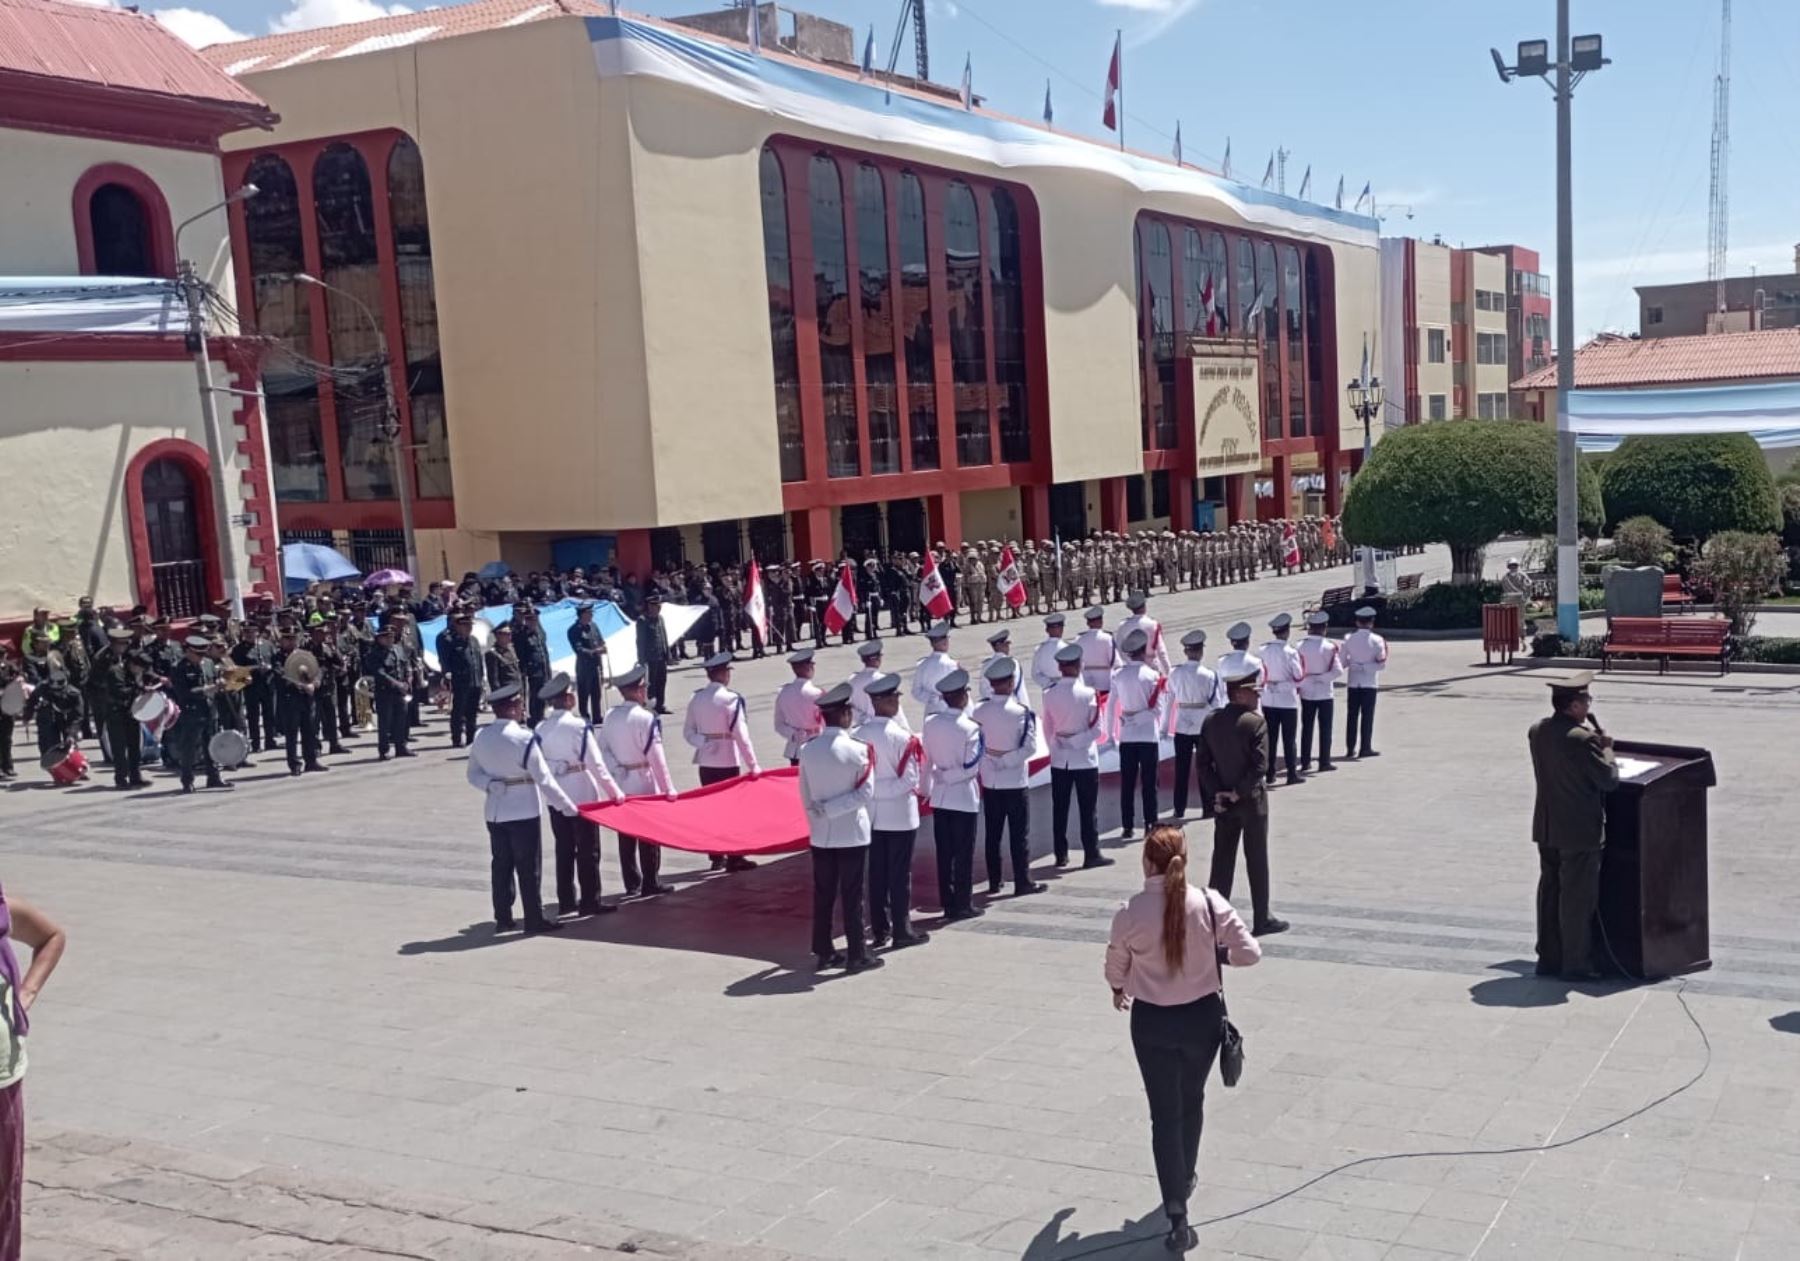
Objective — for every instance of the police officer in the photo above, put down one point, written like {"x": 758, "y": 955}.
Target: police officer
{"x": 1234, "y": 758}
{"x": 1136, "y": 700}
{"x": 797, "y": 717}
{"x": 1323, "y": 666}
{"x": 331, "y": 672}
{"x": 631, "y": 739}
{"x": 120, "y": 690}
{"x": 717, "y": 728}
{"x": 589, "y": 649}
{"x": 1365, "y": 656}
{"x": 1008, "y": 736}
{"x": 254, "y": 652}
{"x": 836, "y": 784}
{"x": 534, "y": 655}
{"x": 502, "y": 661}
{"x": 570, "y": 746}
{"x": 1282, "y": 673}
{"x": 933, "y": 668}
{"x": 953, "y": 755}
{"x": 893, "y": 814}
{"x": 1572, "y": 763}
{"x": 653, "y": 652}
{"x": 1044, "y": 670}
{"x": 507, "y": 765}
{"x": 1072, "y": 714}
{"x": 1195, "y": 692}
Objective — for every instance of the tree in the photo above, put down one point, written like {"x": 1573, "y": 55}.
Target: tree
{"x": 1642, "y": 541}
{"x": 1741, "y": 569}
{"x": 1696, "y": 484}
{"x": 1463, "y": 483}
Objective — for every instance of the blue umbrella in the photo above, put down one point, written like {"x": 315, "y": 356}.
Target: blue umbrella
{"x": 494, "y": 569}
{"x": 314, "y": 562}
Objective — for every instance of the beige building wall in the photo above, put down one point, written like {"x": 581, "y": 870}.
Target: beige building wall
{"x": 1431, "y": 299}
{"x": 1489, "y": 272}
{"x": 990, "y": 514}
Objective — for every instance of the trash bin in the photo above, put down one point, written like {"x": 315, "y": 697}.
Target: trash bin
{"x": 1653, "y": 892}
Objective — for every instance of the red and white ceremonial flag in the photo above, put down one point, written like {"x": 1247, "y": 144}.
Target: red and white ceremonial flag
{"x": 756, "y": 608}
{"x": 1012, "y": 583}
{"x": 842, "y": 609}
{"x": 1110, "y": 115}
{"x": 934, "y": 596}
{"x": 1290, "y": 546}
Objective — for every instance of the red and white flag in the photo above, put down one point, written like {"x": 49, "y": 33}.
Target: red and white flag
{"x": 1012, "y": 582}
{"x": 756, "y": 608}
{"x": 934, "y": 596}
{"x": 842, "y": 609}
{"x": 1290, "y": 546}
{"x": 1110, "y": 115}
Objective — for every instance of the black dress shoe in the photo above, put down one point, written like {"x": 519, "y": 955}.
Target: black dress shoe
{"x": 1269, "y": 927}
{"x": 1027, "y": 888}
{"x": 1327, "y": 766}
{"x": 187, "y": 788}
{"x": 543, "y": 926}
{"x": 216, "y": 782}
{"x": 405, "y": 753}
{"x": 877, "y": 940}
{"x": 864, "y": 963}
{"x": 1098, "y": 860}
{"x": 1370, "y": 753}
{"x": 601, "y": 908}
{"x": 833, "y": 960}
{"x": 317, "y": 768}
{"x": 1181, "y": 1236}
{"x": 337, "y": 748}
{"x": 505, "y": 925}
{"x": 651, "y": 890}
{"x": 1296, "y": 778}
{"x": 568, "y": 908}
{"x": 903, "y": 940}
{"x": 385, "y": 755}
{"x": 993, "y": 889}
{"x": 1062, "y": 860}
{"x": 737, "y": 862}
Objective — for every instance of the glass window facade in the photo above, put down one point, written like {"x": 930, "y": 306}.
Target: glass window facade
{"x": 349, "y": 264}
{"x": 1007, "y": 280}
{"x": 831, "y": 299}
{"x": 968, "y": 324}
{"x": 778, "y": 269}
{"x": 1293, "y": 339}
{"x": 875, "y": 275}
{"x": 281, "y": 311}
{"x": 916, "y": 325}
{"x": 1159, "y": 309}
{"x": 424, "y": 376}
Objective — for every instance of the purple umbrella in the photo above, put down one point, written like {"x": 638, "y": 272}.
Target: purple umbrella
{"x": 387, "y": 578}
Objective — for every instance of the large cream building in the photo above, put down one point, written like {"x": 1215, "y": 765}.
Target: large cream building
{"x": 653, "y": 293}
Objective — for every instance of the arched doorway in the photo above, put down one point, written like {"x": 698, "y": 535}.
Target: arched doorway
{"x": 172, "y": 525}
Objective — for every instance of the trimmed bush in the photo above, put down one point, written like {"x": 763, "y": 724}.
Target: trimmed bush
{"x": 1696, "y": 484}
{"x": 1441, "y": 606}
{"x": 1642, "y": 541}
{"x": 1790, "y": 514}
{"x": 1740, "y": 569}
{"x": 1463, "y": 483}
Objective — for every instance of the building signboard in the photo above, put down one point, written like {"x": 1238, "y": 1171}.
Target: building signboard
{"x": 1227, "y": 414}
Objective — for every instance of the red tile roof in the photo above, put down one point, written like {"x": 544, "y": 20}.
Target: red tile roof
{"x": 1618, "y": 362}
{"x": 114, "y": 49}
{"x": 272, "y": 52}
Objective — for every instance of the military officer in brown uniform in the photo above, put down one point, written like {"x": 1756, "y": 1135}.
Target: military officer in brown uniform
{"x": 1572, "y": 762}
{"x": 1234, "y": 758}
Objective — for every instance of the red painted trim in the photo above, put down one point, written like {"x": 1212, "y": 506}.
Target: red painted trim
{"x": 194, "y": 463}
{"x": 97, "y": 111}
{"x": 156, "y": 212}
{"x": 943, "y": 519}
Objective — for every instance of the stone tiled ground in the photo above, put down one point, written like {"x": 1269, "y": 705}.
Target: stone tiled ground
{"x": 283, "y": 1031}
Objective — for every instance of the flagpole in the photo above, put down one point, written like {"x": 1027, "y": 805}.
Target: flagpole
{"x": 1119, "y": 43}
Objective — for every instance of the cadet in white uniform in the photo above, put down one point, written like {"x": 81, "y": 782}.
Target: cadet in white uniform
{"x": 797, "y": 717}
{"x": 1001, "y": 644}
{"x": 573, "y": 752}
{"x": 1156, "y": 652}
{"x": 870, "y": 653}
{"x": 1365, "y": 656}
{"x": 1323, "y": 664}
{"x": 1099, "y": 655}
{"x": 837, "y": 780}
{"x": 506, "y": 764}
{"x": 631, "y": 739}
{"x": 1044, "y": 670}
{"x": 1137, "y": 699}
{"x": 1008, "y": 737}
{"x": 1282, "y": 672}
{"x": 931, "y": 670}
{"x": 1194, "y": 692}
{"x": 953, "y": 755}
{"x": 1240, "y": 660}
{"x": 1072, "y": 715}
{"x": 893, "y": 814}
{"x": 717, "y": 728}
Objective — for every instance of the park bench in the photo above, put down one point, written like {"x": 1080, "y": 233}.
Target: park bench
{"x": 1407, "y": 582}
{"x": 1675, "y": 592}
{"x": 1664, "y": 638}
{"x": 1335, "y": 596}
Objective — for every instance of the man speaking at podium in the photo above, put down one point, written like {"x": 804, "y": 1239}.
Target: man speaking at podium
{"x": 1572, "y": 761}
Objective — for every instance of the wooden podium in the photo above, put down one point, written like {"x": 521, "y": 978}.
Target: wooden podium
{"x": 1653, "y": 900}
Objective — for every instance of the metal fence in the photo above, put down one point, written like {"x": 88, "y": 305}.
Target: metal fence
{"x": 378, "y": 549}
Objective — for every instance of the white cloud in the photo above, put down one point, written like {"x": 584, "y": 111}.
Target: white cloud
{"x": 1146, "y": 6}
{"x": 1159, "y": 16}
{"x": 198, "y": 28}
{"x": 306, "y": 14}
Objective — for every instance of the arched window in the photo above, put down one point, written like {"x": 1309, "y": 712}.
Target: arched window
{"x": 1159, "y": 396}
{"x": 831, "y": 298}
{"x": 916, "y": 324}
{"x": 1007, "y": 276}
{"x": 1219, "y": 271}
{"x": 290, "y": 393}
{"x": 1268, "y": 295}
{"x": 778, "y": 272}
{"x": 1294, "y": 340}
{"x": 418, "y": 313}
{"x": 121, "y": 227}
{"x": 877, "y": 320}
{"x": 349, "y": 263}
{"x": 1246, "y": 287}
{"x": 172, "y": 525}
{"x": 968, "y": 324}
{"x": 1315, "y": 345}
{"x": 1193, "y": 283}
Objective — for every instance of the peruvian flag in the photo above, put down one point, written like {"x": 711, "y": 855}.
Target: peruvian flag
{"x": 842, "y": 609}
{"x": 1206, "y": 303}
{"x": 934, "y": 596}
{"x": 1012, "y": 584}
{"x": 756, "y": 608}
{"x": 1110, "y": 115}
{"x": 1290, "y": 546}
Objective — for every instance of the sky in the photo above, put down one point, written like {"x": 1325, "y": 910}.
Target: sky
{"x": 1400, "y": 94}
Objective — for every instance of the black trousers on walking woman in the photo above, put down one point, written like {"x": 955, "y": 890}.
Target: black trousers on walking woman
{"x": 1175, "y": 1049}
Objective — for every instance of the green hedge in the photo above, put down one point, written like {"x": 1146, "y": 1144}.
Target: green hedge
{"x": 1441, "y": 606}
{"x": 1696, "y": 484}
{"x": 1761, "y": 649}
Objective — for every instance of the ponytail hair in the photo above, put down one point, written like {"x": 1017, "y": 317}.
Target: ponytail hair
{"x": 1165, "y": 849}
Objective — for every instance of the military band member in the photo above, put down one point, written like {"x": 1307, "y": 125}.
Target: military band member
{"x": 1323, "y": 666}
{"x": 1234, "y": 759}
{"x": 507, "y": 764}
{"x": 631, "y": 738}
{"x": 391, "y": 668}
{"x": 1044, "y": 670}
{"x": 1137, "y": 698}
{"x": 331, "y": 670}
{"x": 1008, "y": 738}
{"x": 1158, "y": 653}
{"x": 1099, "y": 653}
{"x": 534, "y": 655}
{"x": 893, "y": 814}
{"x": 717, "y": 728}
{"x": 932, "y": 669}
{"x": 463, "y": 663}
{"x": 590, "y": 653}
{"x": 10, "y": 672}
{"x": 1194, "y": 693}
{"x": 572, "y": 749}
{"x": 837, "y": 773}
{"x": 797, "y": 716}
{"x": 653, "y": 652}
{"x": 502, "y": 660}
{"x": 295, "y": 708}
{"x": 191, "y": 685}
{"x": 1365, "y": 656}
{"x": 1282, "y": 674}
{"x": 120, "y": 690}
{"x": 953, "y": 756}
{"x": 1572, "y": 763}
{"x": 1072, "y": 718}
{"x": 254, "y": 652}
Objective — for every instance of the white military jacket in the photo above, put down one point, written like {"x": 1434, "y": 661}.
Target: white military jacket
{"x": 1365, "y": 654}
{"x": 926, "y": 674}
{"x": 1044, "y": 670}
{"x": 506, "y": 763}
{"x": 631, "y": 739}
{"x": 837, "y": 777}
{"x": 953, "y": 752}
{"x": 797, "y": 717}
{"x": 1156, "y": 652}
{"x": 716, "y": 728}
{"x": 1098, "y": 657}
{"x": 1138, "y": 695}
{"x": 899, "y": 764}
{"x": 1282, "y": 672}
{"x": 571, "y": 746}
{"x": 1009, "y": 737}
{"x": 1324, "y": 666}
{"x": 1072, "y": 725}
{"x": 1194, "y": 692}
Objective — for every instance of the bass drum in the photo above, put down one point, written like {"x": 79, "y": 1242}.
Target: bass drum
{"x": 228, "y": 749}
{"x": 13, "y": 698}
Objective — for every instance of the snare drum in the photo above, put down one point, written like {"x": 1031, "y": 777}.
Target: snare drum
{"x": 66, "y": 765}
{"x": 157, "y": 712}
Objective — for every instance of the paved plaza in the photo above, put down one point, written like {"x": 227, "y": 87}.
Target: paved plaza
{"x": 284, "y": 1028}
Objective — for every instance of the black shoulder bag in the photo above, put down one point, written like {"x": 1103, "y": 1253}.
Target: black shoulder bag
{"x": 1231, "y": 1042}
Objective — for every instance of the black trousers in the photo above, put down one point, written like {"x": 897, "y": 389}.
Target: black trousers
{"x": 517, "y": 850}
{"x": 587, "y": 696}
{"x": 390, "y": 722}
{"x": 1359, "y": 717}
{"x": 954, "y": 833}
{"x": 1187, "y": 757}
{"x": 1176, "y": 1047}
{"x": 890, "y": 880}
{"x": 1137, "y": 769}
{"x": 259, "y": 715}
{"x": 577, "y": 862}
{"x": 1005, "y": 810}
{"x": 716, "y": 775}
{"x": 1283, "y": 724}
{"x": 1315, "y": 713}
{"x": 465, "y": 706}
{"x": 6, "y": 739}
{"x": 1248, "y": 820}
{"x": 640, "y": 863}
{"x": 300, "y": 727}
{"x": 122, "y": 734}
{"x": 838, "y": 881}
{"x": 346, "y": 707}
{"x": 534, "y": 706}
{"x": 658, "y": 688}
{"x": 325, "y": 705}
{"x": 1568, "y": 895}
{"x": 1084, "y": 784}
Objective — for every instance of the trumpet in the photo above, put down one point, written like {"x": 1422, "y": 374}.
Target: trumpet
{"x": 236, "y": 679}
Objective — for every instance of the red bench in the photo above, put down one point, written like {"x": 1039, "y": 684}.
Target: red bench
{"x": 1663, "y": 638}
{"x": 1408, "y": 582}
{"x": 1675, "y": 592}
{"x": 1335, "y": 596}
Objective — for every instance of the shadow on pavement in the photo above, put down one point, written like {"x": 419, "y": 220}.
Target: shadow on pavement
{"x": 1142, "y": 1238}
{"x": 1788, "y": 1022}
{"x": 1524, "y": 988}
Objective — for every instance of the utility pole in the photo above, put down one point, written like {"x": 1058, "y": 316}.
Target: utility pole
{"x": 1568, "y": 556}
{"x": 193, "y": 290}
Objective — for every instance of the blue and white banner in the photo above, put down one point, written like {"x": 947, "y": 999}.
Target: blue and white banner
{"x": 1770, "y": 413}
{"x": 90, "y": 304}
{"x": 618, "y": 631}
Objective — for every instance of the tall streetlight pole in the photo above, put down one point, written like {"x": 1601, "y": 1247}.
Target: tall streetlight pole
{"x": 1366, "y": 400}
{"x": 390, "y": 421}
{"x": 1575, "y": 58}
{"x": 193, "y": 294}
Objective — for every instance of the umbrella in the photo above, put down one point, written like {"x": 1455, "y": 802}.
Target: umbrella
{"x": 387, "y": 578}
{"x": 314, "y": 562}
{"x": 494, "y": 569}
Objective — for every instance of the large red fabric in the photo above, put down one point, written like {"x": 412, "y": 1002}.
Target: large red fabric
{"x": 738, "y": 816}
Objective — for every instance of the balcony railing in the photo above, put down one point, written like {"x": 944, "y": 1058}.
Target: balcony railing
{"x": 180, "y": 588}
